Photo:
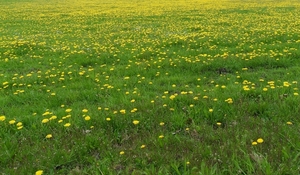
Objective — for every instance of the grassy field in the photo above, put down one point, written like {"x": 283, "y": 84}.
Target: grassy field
{"x": 149, "y": 87}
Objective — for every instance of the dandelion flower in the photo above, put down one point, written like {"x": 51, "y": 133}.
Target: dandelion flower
{"x": 53, "y": 117}
{"x": 122, "y": 152}
{"x": 135, "y": 122}
{"x": 2, "y": 118}
{"x": 68, "y": 110}
{"x": 161, "y": 136}
{"x": 289, "y": 123}
{"x": 143, "y": 146}
{"x": 19, "y": 124}
{"x": 161, "y": 123}
{"x": 254, "y": 143}
{"x": 123, "y": 111}
{"x": 12, "y": 122}
{"x": 39, "y": 172}
{"x": 48, "y": 136}
{"x": 210, "y": 110}
{"x": 219, "y": 123}
{"x": 67, "y": 125}
{"x": 260, "y": 140}
{"x": 172, "y": 97}
{"x": 85, "y": 110}
{"x": 108, "y": 119}
{"x": 87, "y": 118}
{"x": 45, "y": 120}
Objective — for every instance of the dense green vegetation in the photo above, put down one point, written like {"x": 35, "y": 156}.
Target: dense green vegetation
{"x": 149, "y": 87}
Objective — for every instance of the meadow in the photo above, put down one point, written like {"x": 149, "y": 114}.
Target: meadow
{"x": 149, "y": 87}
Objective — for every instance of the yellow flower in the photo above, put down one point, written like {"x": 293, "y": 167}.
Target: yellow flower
{"x": 53, "y": 117}
{"x": 20, "y": 127}
{"x": 108, "y": 119}
{"x": 87, "y": 118}
{"x": 260, "y": 140}
{"x": 161, "y": 123}
{"x": 48, "y": 136}
{"x": 172, "y": 97}
{"x": 143, "y": 146}
{"x": 135, "y": 122}
{"x": 254, "y": 143}
{"x": 12, "y": 122}
{"x": 45, "y": 120}
{"x": 122, "y": 152}
{"x": 219, "y": 123}
{"x": 46, "y": 113}
{"x": 84, "y": 110}
{"x": 68, "y": 110}
{"x": 123, "y": 111}
{"x": 289, "y": 123}
{"x": 161, "y": 136}
{"x": 67, "y": 125}
{"x": 39, "y": 172}
{"x": 19, "y": 124}
{"x": 2, "y": 118}
{"x": 210, "y": 110}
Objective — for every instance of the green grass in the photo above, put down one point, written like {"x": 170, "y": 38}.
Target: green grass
{"x": 204, "y": 79}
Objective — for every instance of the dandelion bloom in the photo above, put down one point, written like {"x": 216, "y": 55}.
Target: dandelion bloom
{"x": 219, "y": 123}
{"x": 45, "y": 120}
{"x": 48, "y": 136}
{"x": 289, "y": 123}
{"x": 87, "y": 118}
{"x": 19, "y": 124}
{"x": 260, "y": 140}
{"x": 84, "y": 110}
{"x": 53, "y": 117}
{"x": 108, "y": 119}
{"x": 12, "y": 122}
{"x": 68, "y": 110}
{"x": 122, "y": 152}
{"x": 143, "y": 146}
{"x": 2, "y": 118}
{"x": 161, "y": 136}
{"x": 172, "y": 97}
{"x": 254, "y": 143}
{"x": 67, "y": 125}
{"x": 161, "y": 123}
{"x": 39, "y": 172}
{"x": 123, "y": 111}
{"x": 135, "y": 122}
{"x": 210, "y": 110}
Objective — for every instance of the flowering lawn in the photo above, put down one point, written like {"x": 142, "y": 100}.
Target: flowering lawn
{"x": 149, "y": 87}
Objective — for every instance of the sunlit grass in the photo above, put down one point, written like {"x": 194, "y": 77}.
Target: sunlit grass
{"x": 149, "y": 87}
